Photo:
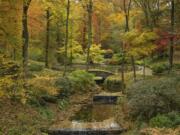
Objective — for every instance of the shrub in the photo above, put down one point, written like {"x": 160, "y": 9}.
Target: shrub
{"x": 79, "y": 80}
{"x": 169, "y": 120}
{"x": 42, "y": 89}
{"x": 12, "y": 88}
{"x": 139, "y": 62}
{"x": 35, "y": 66}
{"x": 150, "y": 97}
{"x": 117, "y": 59}
{"x": 36, "y": 54}
{"x": 11, "y": 83}
{"x": 82, "y": 81}
{"x": 160, "y": 121}
{"x": 46, "y": 113}
{"x": 175, "y": 118}
{"x": 159, "y": 68}
{"x": 65, "y": 87}
{"x": 177, "y": 66}
{"x": 63, "y": 104}
{"x": 113, "y": 83}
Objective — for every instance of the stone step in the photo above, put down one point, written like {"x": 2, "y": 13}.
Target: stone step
{"x": 107, "y": 98}
{"x": 86, "y": 131}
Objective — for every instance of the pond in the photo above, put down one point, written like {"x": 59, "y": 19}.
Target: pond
{"x": 95, "y": 113}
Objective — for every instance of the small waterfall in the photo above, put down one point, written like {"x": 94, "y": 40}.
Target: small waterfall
{"x": 96, "y": 119}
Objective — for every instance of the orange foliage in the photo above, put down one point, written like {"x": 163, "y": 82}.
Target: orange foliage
{"x": 36, "y": 18}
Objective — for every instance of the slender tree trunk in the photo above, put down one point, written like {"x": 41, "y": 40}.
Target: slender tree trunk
{"x": 144, "y": 68}
{"x": 25, "y": 36}
{"x": 84, "y": 32}
{"x": 126, "y": 12}
{"x": 123, "y": 46}
{"x": 14, "y": 54}
{"x": 127, "y": 23}
{"x": 134, "y": 67}
{"x": 127, "y": 29}
{"x": 100, "y": 34}
{"x": 58, "y": 41}
{"x": 71, "y": 43}
{"x": 171, "y": 48}
{"x": 90, "y": 6}
{"x": 67, "y": 38}
{"x": 47, "y": 38}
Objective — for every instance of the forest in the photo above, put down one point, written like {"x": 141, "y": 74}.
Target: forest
{"x": 89, "y": 67}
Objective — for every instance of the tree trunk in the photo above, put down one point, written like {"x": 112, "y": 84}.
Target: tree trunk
{"x": 25, "y": 36}
{"x": 144, "y": 68}
{"x": 84, "y": 32}
{"x": 171, "y": 48}
{"x": 58, "y": 36}
{"x": 126, "y": 12}
{"x": 71, "y": 43}
{"x": 90, "y": 6}
{"x": 67, "y": 38}
{"x": 134, "y": 67}
{"x": 47, "y": 38}
{"x": 127, "y": 23}
{"x": 14, "y": 54}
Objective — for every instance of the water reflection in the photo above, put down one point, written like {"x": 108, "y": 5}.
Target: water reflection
{"x": 94, "y": 113}
{"x": 95, "y": 116}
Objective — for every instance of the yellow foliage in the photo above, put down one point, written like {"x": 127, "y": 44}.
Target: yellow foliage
{"x": 96, "y": 53}
{"x": 117, "y": 18}
{"x": 1, "y": 93}
{"x": 10, "y": 87}
{"x": 43, "y": 85}
{"x": 139, "y": 43}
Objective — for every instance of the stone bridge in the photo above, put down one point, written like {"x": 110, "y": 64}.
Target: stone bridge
{"x": 100, "y": 75}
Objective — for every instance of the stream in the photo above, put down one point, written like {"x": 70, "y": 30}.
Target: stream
{"x": 92, "y": 119}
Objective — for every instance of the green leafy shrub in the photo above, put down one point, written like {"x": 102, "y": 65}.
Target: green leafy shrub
{"x": 46, "y": 113}
{"x": 113, "y": 83}
{"x": 65, "y": 87}
{"x": 62, "y": 104}
{"x": 148, "y": 98}
{"x": 169, "y": 120}
{"x": 159, "y": 68}
{"x": 175, "y": 118}
{"x": 82, "y": 81}
{"x": 139, "y": 62}
{"x": 35, "y": 66}
{"x": 160, "y": 121}
{"x": 36, "y": 54}
{"x": 177, "y": 66}
{"x": 79, "y": 80}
